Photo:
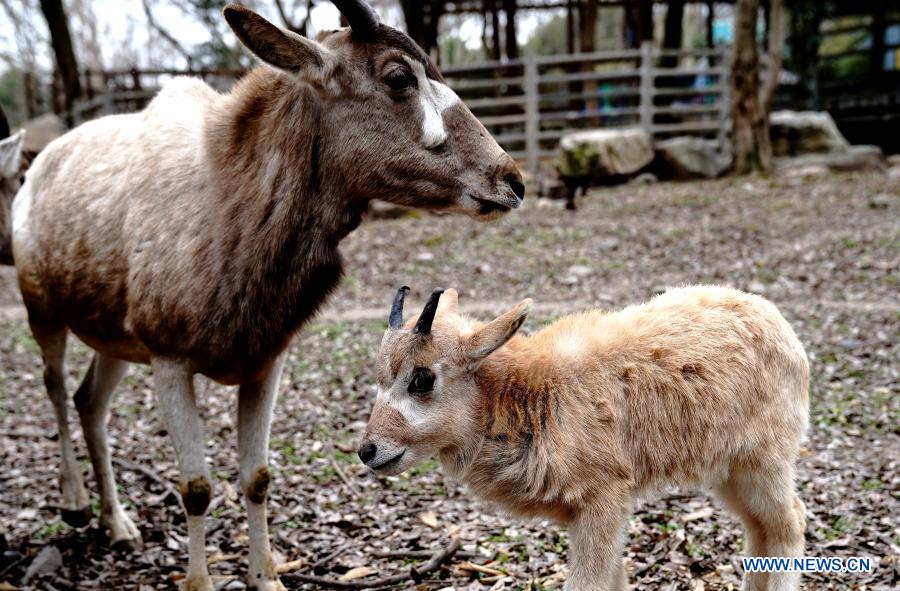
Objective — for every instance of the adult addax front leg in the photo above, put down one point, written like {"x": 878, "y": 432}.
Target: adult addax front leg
{"x": 255, "y": 406}
{"x": 173, "y": 381}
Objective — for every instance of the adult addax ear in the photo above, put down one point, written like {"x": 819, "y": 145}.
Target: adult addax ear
{"x": 279, "y": 48}
{"x": 11, "y": 155}
{"x": 496, "y": 333}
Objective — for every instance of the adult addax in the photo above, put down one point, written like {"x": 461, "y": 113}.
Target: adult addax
{"x": 200, "y": 234}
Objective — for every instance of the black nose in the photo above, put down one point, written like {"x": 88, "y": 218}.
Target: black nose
{"x": 366, "y": 452}
{"x": 515, "y": 183}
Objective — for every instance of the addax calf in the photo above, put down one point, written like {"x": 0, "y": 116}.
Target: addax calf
{"x": 702, "y": 386}
{"x": 199, "y": 235}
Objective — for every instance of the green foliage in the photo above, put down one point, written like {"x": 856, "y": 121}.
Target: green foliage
{"x": 550, "y": 38}
{"x": 12, "y": 96}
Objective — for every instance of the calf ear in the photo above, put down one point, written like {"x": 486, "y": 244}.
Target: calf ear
{"x": 496, "y": 333}
{"x": 279, "y": 48}
{"x": 11, "y": 156}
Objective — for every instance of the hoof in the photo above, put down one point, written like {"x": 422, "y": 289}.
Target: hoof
{"x": 77, "y": 517}
{"x": 201, "y": 583}
{"x": 126, "y": 546}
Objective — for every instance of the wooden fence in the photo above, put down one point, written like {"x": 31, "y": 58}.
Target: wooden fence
{"x": 530, "y": 103}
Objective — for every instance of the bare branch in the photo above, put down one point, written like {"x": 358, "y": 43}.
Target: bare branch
{"x": 164, "y": 33}
{"x": 415, "y": 574}
{"x": 288, "y": 22}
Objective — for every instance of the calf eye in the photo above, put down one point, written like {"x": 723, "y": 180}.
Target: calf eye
{"x": 422, "y": 381}
{"x": 401, "y": 79}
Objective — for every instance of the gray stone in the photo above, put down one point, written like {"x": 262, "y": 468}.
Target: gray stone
{"x": 645, "y": 178}
{"x": 795, "y": 133}
{"x": 855, "y": 159}
{"x": 598, "y": 153}
{"x": 688, "y": 158}
{"x": 608, "y": 244}
{"x": 883, "y": 200}
{"x": 48, "y": 561}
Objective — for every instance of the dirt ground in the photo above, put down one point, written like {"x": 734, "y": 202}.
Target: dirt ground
{"x": 825, "y": 249}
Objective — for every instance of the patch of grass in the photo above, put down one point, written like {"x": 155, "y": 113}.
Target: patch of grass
{"x": 52, "y": 529}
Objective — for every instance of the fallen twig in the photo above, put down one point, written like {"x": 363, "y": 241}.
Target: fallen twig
{"x": 170, "y": 490}
{"x": 417, "y": 554}
{"x": 415, "y": 573}
{"x": 343, "y": 476}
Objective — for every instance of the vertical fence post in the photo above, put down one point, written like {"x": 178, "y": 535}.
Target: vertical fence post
{"x": 647, "y": 67}
{"x": 532, "y": 114}
{"x": 725, "y": 98}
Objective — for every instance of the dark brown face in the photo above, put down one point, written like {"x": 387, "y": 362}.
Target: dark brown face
{"x": 413, "y": 140}
{"x": 394, "y": 130}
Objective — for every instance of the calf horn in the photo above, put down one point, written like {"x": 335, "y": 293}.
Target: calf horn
{"x": 395, "y": 320}
{"x": 423, "y": 326}
{"x": 362, "y": 17}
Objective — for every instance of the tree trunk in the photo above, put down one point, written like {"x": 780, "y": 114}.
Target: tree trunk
{"x": 710, "y": 21}
{"x": 422, "y": 18}
{"x": 674, "y": 31}
{"x": 495, "y": 32}
{"x": 767, "y": 94}
{"x": 61, "y": 40}
{"x": 4, "y": 125}
{"x": 745, "y": 87}
{"x": 570, "y": 27}
{"x": 646, "y": 17}
{"x": 587, "y": 12}
{"x": 512, "y": 43}
{"x": 750, "y": 103}
{"x": 588, "y": 34}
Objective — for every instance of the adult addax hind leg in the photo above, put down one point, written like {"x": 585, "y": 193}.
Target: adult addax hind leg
{"x": 255, "y": 406}
{"x": 92, "y": 401}
{"x": 76, "y": 507}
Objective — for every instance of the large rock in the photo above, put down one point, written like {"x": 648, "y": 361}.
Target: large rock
{"x": 795, "y": 133}
{"x": 599, "y": 153}
{"x": 686, "y": 158}
{"x": 854, "y": 159}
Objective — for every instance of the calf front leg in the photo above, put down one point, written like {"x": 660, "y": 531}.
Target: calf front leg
{"x": 596, "y": 540}
{"x": 173, "y": 381}
{"x": 255, "y": 405}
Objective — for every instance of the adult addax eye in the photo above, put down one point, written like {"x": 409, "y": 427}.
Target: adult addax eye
{"x": 422, "y": 381}
{"x": 401, "y": 79}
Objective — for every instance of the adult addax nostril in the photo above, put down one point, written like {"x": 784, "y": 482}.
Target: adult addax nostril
{"x": 366, "y": 452}
{"x": 515, "y": 183}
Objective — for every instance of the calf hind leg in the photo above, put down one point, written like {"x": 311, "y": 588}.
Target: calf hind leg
{"x": 92, "y": 401}
{"x": 774, "y": 518}
{"x": 76, "y": 507}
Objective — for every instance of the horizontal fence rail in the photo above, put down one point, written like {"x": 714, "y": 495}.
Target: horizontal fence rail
{"x": 528, "y": 104}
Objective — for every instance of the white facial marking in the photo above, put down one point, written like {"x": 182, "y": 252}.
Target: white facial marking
{"x": 403, "y": 403}
{"x": 434, "y": 98}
